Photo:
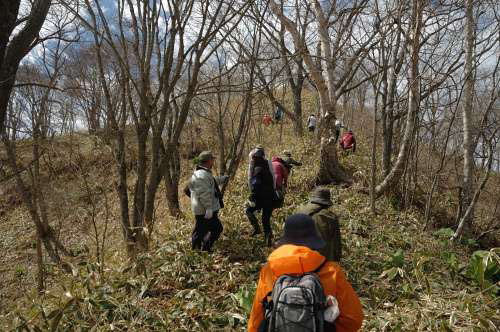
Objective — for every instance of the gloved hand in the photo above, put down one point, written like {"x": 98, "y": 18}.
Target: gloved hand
{"x": 249, "y": 203}
{"x": 209, "y": 214}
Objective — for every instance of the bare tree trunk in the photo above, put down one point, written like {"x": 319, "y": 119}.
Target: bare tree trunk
{"x": 171, "y": 180}
{"x": 413, "y": 102}
{"x": 374, "y": 150}
{"x": 14, "y": 48}
{"x": 222, "y": 144}
{"x": 330, "y": 170}
{"x": 470, "y": 207}
{"x": 236, "y": 152}
{"x": 44, "y": 231}
{"x": 468, "y": 146}
{"x": 428, "y": 205}
{"x": 388, "y": 103}
{"x": 298, "y": 126}
{"x": 39, "y": 260}
{"x": 139, "y": 190}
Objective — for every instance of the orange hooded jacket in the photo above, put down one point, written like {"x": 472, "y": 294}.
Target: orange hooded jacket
{"x": 291, "y": 259}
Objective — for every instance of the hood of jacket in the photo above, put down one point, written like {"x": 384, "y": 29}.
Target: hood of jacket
{"x": 291, "y": 259}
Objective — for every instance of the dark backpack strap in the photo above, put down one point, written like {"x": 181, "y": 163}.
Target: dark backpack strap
{"x": 317, "y": 210}
{"x": 268, "y": 307}
{"x": 218, "y": 194}
{"x": 320, "y": 266}
{"x": 267, "y": 304}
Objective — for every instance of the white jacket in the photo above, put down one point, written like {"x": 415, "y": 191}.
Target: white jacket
{"x": 203, "y": 198}
{"x": 311, "y": 121}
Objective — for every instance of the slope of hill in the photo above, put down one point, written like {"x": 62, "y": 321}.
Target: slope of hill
{"x": 408, "y": 279}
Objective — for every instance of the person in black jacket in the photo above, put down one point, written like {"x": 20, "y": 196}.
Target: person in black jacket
{"x": 262, "y": 194}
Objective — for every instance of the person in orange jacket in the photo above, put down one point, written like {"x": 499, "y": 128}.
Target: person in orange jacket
{"x": 297, "y": 255}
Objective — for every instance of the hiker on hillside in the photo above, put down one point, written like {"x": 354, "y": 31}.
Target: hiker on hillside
{"x": 280, "y": 170}
{"x": 251, "y": 162}
{"x": 206, "y": 201}
{"x": 278, "y": 113}
{"x": 311, "y": 123}
{"x": 348, "y": 142}
{"x": 338, "y": 126}
{"x": 262, "y": 192}
{"x": 289, "y": 161}
{"x": 326, "y": 222}
{"x": 281, "y": 300}
{"x": 266, "y": 120}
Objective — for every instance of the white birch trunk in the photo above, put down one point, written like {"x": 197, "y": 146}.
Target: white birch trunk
{"x": 468, "y": 146}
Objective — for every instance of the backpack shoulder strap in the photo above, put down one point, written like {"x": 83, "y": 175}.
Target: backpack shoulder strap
{"x": 320, "y": 266}
{"x": 316, "y": 210}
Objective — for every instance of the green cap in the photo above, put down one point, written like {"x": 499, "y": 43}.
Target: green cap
{"x": 205, "y": 156}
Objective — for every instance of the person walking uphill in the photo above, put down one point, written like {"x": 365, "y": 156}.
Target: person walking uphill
{"x": 206, "y": 201}
{"x": 262, "y": 193}
{"x": 280, "y": 303}
{"x": 326, "y": 222}
{"x": 280, "y": 170}
{"x": 338, "y": 126}
{"x": 289, "y": 161}
{"x": 348, "y": 142}
{"x": 311, "y": 123}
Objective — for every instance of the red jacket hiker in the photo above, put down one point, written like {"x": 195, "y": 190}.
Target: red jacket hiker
{"x": 281, "y": 172}
{"x": 348, "y": 141}
{"x": 266, "y": 120}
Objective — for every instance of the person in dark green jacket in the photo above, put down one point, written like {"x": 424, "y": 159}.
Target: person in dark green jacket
{"x": 289, "y": 161}
{"x": 326, "y": 222}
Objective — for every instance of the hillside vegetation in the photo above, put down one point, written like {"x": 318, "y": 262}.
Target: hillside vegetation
{"x": 408, "y": 279}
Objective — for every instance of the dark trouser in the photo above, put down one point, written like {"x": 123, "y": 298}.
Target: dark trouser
{"x": 206, "y": 232}
{"x": 337, "y": 133}
{"x": 266, "y": 217}
{"x": 311, "y": 128}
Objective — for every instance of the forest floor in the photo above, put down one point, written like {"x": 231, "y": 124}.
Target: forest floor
{"x": 408, "y": 278}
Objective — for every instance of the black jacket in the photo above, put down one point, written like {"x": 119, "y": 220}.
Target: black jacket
{"x": 261, "y": 183}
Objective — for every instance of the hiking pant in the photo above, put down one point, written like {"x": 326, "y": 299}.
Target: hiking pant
{"x": 266, "y": 217}
{"x": 311, "y": 128}
{"x": 337, "y": 133}
{"x": 206, "y": 232}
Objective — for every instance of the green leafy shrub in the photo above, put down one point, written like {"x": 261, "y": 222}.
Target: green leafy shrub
{"x": 484, "y": 269}
{"x": 244, "y": 297}
{"x": 397, "y": 259}
{"x": 396, "y": 263}
{"x": 444, "y": 233}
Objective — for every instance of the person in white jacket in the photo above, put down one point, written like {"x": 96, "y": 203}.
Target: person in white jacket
{"x": 338, "y": 126}
{"x": 206, "y": 201}
{"x": 311, "y": 123}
